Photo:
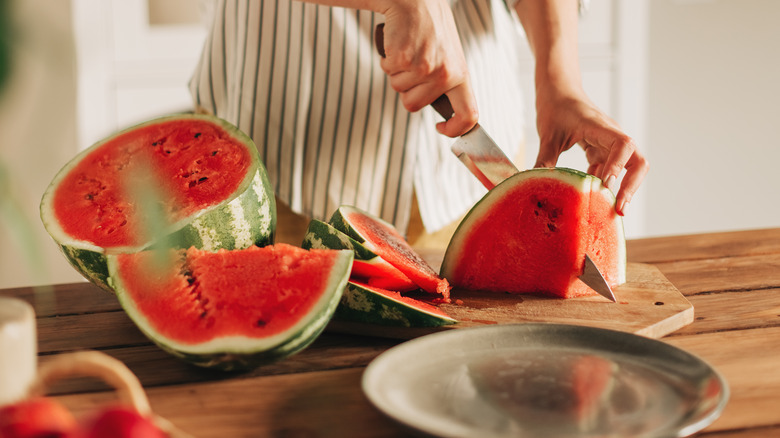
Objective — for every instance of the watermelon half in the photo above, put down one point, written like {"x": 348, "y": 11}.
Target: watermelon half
{"x": 531, "y": 232}
{"x": 381, "y": 238}
{"x": 231, "y": 309}
{"x": 201, "y": 174}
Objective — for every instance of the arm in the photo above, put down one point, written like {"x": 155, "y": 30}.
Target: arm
{"x": 424, "y": 58}
{"x": 565, "y": 115}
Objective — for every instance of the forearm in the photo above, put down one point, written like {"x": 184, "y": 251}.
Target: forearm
{"x": 551, "y": 30}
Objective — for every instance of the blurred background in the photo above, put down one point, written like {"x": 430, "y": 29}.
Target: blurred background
{"x": 695, "y": 82}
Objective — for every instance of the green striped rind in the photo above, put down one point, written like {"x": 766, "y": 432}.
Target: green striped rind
{"x": 325, "y": 236}
{"x": 90, "y": 264}
{"x": 586, "y": 183}
{"x": 246, "y": 218}
{"x": 360, "y": 304}
{"x": 234, "y": 353}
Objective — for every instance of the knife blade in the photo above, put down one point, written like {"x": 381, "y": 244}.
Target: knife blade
{"x": 592, "y": 277}
{"x": 485, "y": 160}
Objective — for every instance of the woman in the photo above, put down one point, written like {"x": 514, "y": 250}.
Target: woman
{"x": 337, "y": 124}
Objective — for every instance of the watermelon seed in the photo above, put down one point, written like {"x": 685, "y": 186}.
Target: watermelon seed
{"x": 202, "y": 179}
{"x": 197, "y": 135}
{"x": 214, "y": 153}
{"x": 261, "y": 323}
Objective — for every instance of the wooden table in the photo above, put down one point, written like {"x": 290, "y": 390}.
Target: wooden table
{"x": 732, "y": 279}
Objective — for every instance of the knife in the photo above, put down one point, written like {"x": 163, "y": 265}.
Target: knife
{"x": 482, "y": 156}
{"x": 475, "y": 149}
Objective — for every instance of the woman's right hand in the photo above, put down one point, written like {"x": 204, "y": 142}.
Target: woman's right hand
{"x": 424, "y": 59}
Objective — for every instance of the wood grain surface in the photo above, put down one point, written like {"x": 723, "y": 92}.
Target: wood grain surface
{"x": 648, "y": 305}
{"x": 732, "y": 280}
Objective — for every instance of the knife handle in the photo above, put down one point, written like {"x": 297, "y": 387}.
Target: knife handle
{"x": 442, "y": 104}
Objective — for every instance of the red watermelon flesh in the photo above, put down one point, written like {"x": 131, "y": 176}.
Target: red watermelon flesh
{"x": 382, "y": 276}
{"x": 196, "y": 164}
{"x": 255, "y": 292}
{"x": 533, "y": 235}
{"x": 384, "y": 240}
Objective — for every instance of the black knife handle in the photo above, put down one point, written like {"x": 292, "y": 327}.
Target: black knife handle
{"x": 442, "y": 105}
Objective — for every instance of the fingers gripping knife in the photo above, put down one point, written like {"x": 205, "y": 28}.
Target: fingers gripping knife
{"x": 482, "y": 156}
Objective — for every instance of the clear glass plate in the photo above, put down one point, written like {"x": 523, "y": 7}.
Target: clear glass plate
{"x": 532, "y": 380}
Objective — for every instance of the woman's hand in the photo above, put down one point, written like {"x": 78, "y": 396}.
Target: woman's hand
{"x": 424, "y": 59}
{"x": 564, "y": 114}
{"x": 567, "y": 119}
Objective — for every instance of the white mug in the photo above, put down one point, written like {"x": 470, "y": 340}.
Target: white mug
{"x": 18, "y": 349}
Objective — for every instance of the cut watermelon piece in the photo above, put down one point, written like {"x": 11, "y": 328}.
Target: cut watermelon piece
{"x": 530, "y": 234}
{"x": 367, "y": 265}
{"x": 231, "y": 309}
{"x": 206, "y": 179}
{"x": 384, "y": 240}
{"x": 367, "y": 304}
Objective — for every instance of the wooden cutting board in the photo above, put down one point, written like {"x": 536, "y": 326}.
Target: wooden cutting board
{"x": 647, "y": 304}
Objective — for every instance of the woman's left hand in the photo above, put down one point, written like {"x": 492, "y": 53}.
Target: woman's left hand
{"x": 564, "y": 120}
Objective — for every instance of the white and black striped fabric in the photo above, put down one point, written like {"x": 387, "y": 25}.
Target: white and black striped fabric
{"x": 304, "y": 81}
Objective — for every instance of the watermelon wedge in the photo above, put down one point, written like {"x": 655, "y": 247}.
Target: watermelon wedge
{"x": 374, "y": 292}
{"x": 384, "y": 240}
{"x": 372, "y": 305}
{"x": 367, "y": 266}
{"x": 231, "y": 309}
{"x": 530, "y": 234}
{"x": 180, "y": 181}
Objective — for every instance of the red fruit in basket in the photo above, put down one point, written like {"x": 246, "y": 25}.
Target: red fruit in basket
{"x": 119, "y": 422}
{"x": 40, "y": 417}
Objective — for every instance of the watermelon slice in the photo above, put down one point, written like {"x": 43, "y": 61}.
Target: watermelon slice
{"x": 530, "y": 234}
{"x": 231, "y": 309}
{"x": 384, "y": 240}
{"x": 367, "y": 266}
{"x": 373, "y": 295}
{"x": 368, "y": 304}
{"x": 202, "y": 177}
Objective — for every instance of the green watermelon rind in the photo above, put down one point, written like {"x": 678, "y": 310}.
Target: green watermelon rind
{"x": 360, "y": 304}
{"x": 251, "y": 209}
{"x": 323, "y": 235}
{"x": 583, "y": 181}
{"x": 238, "y": 353}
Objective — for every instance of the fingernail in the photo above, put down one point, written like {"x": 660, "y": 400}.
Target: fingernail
{"x": 623, "y": 208}
{"x": 610, "y": 182}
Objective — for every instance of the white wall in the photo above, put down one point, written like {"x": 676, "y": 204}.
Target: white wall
{"x": 81, "y": 70}
{"x": 38, "y": 127}
{"x": 713, "y": 113}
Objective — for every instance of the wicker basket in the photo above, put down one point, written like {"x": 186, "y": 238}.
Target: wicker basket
{"x": 111, "y": 371}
